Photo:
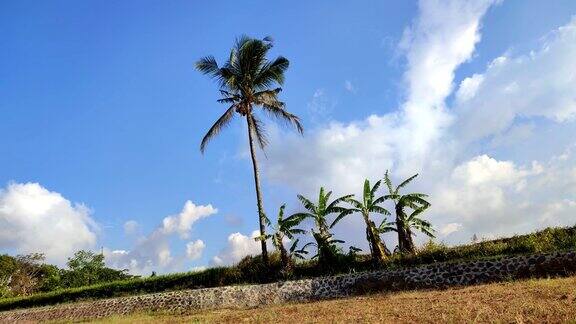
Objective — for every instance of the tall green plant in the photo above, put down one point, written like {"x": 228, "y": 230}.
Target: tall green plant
{"x": 319, "y": 212}
{"x": 246, "y": 81}
{"x": 406, "y": 220}
{"x": 285, "y": 228}
{"x": 371, "y": 204}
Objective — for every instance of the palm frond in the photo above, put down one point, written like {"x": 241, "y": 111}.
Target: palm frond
{"x": 375, "y": 188}
{"x": 389, "y": 183}
{"x": 276, "y": 109}
{"x": 386, "y": 226}
{"x": 281, "y": 214}
{"x": 379, "y": 200}
{"x": 295, "y": 231}
{"x": 339, "y": 200}
{"x": 222, "y": 122}
{"x": 367, "y": 192}
{"x": 228, "y": 100}
{"x": 379, "y": 210}
{"x": 415, "y": 194}
{"x": 355, "y": 203}
{"x": 406, "y": 182}
{"x": 271, "y": 72}
{"x": 391, "y": 197}
{"x": 296, "y": 218}
{"x": 307, "y": 204}
{"x": 259, "y": 131}
{"x": 262, "y": 237}
{"x": 413, "y": 201}
{"x": 416, "y": 212}
{"x": 293, "y": 246}
{"x": 342, "y": 214}
{"x": 302, "y": 216}
{"x": 208, "y": 65}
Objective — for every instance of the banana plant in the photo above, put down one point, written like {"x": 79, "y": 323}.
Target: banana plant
{"x": 325, "y": 246}
{"x": 319, "y": 212}
{"x": 371, "y": 204}
{"x": 407, "y": 221}
{"x": 285, "y": 228}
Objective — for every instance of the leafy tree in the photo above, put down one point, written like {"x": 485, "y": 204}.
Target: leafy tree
{"x": 319, "y": 212}
{"x": 8, "y": 266}
{"x": 371, "y": 204}
{"x": 88, "y": 268}
{"x": 286, "y": 228}
{"x": 246, "y": 81}
{"x": 26, "y": 278}
{"x": 406, "y": 222}
{"x": 51, "y": 278}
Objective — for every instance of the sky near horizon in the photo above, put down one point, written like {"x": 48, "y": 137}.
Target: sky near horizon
{"x": 102, "y": 112}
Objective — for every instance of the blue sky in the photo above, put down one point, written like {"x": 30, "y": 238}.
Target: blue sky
{"x": 99, "y": 102}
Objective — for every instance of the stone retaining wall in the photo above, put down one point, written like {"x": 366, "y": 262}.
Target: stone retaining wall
{"x": 428, "y": 276}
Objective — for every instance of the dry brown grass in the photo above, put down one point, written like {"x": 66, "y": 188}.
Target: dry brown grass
{"x": 531, "y": 301}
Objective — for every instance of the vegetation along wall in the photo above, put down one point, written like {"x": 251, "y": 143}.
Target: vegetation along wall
{"x": 434, "y": 275}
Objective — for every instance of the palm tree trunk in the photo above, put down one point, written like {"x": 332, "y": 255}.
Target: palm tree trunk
{"x": 377, "y": 248}
{"x": 410, "y": 247}
{"x": 403, "y": 244}
{"x": 261, "y": 215}
{"x": 285, "y": 259}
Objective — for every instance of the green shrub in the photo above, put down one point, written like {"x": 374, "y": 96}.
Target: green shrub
{"x": 253, "y": 269}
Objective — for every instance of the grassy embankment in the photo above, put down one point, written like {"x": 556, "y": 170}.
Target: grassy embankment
{"x": 530, "y": 301}
{"x": 251, "y": 270}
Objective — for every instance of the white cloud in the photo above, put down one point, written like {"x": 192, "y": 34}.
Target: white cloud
{"x": 443, "y": 37}
{"x": 130, "y": 227}
{"x": 483, "y": 170}
{"x": 194, "y": 249}
{"x": 239, "y": 246}
{"x": 341, "y": 155}
{"x": 450, "y": 228}
{"x": 153, "y": 252}
{"x": 540, "y": 84}
{"x": 468, "y": 87}
{"x": 34, "y": 219}
{"x": 182, "y": 223}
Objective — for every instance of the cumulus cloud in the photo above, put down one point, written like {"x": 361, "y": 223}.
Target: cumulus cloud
{"x": 194, "y": 249}
{"x": 130, "y": 227}
{"x": 539, "y": 84}
{"x": 472, "y": 191}
{"x": 239, "y": 246}
{"x": 153, "y": 252}
{"x": 449, "y": 229}
{"x": 341, "y": 154}
{"x": 34, "y": 219}
{"x": 493, "y": 198}
{"x": 182, "y": 223}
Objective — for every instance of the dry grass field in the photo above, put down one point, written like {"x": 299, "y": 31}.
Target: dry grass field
{"x": 531, "y": 301}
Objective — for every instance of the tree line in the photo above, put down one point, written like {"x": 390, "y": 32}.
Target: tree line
{"x": 24, "y": 275}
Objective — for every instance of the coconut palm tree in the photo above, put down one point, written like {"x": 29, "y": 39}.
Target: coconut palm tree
{"x": 371, "y": 204}
{"x": 405, "y": 222}
{"x": 285, "y": 228}
{"x": 247, "y": 80}
{"x": 319, "y": 213}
